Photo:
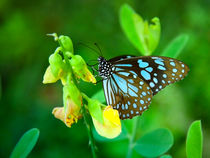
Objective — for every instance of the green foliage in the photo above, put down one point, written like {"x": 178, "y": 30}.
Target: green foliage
{"x": 99, "y": 96}
{"x": 143, "y": 36}
{"x": 155, "y": 143}
{"x": 166, "y": 156}
{"x": 194, "y": 143}
{"x": 176, "y": 46}
{"x": 25, "y": 144}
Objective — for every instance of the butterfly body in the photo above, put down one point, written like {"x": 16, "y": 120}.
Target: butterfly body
{"x": 130, "y": 82}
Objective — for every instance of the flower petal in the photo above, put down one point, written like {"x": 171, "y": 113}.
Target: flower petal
{"x": 111, "y": 127}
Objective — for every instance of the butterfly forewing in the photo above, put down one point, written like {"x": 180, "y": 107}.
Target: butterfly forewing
{"x": 157, "y": 72}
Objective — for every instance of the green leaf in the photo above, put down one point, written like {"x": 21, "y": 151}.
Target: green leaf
{"x": 175, "y": 46}
{"x": 166, "y": 156}
{"x": 155, "y": 143}
{"x": 25, "y": 144}
{"x": 128, "y": 26}
{"x": 99, "y": 96}
{"x": 194, "y": 143}
{"x": 142, "y": 35}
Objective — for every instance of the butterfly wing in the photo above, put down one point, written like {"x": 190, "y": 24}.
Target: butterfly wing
{"x": 134, "y": 80}
{"x": 130, "y": 96}
{"x": 157, "y": 72}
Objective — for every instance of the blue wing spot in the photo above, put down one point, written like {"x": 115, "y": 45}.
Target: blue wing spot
{"x": 133, "y": 87}
{"x": 142, "y": 64}
{"x": 169, "y": 81}
{"x": 123, "y": 115}
{"x": 152, "y": 84}
{"x": 182, "y": 65}
{"x": 129, "y": 103}
{"x": 141, "y": 82}
{"x": 135, "y": 100}
{"x": 140, "y": 87}
{"x": 117, "y": 69}
{"x": 149, "y": 99}
{"x": 146, "y": 75}
{"x": 131, "y": 80}
{"x": 163, "y": 82}
{"x": 123, "y": 107}
{"x": 131, "y": 112}
{"x": 137, "y": 112}
{"x": 172, "y": 78}
{"x": 180, "y": 75}
{"x": 134, "y": 105}
{"x": 140, "y": 108}
{"x": 132, "y": 93}
{"x": 173, "y": 74}
{"x": 157, "y": 90}
{"x": 143, "y": 93}
{"x": 141, "y": 101}
{"x": 128, "y": 115}
{"x": 148, "y": 92}
{"x": 160, "y": 87}
{"x": 124, "y": 73}
{"x": 148, "y": 88}
{"x": 126, "y": 106}
{"x": 117, "y": 106}
{"x": 182, "y": 70}
{"x": 149, "y": 69}
{"x": 164, "y": 75}
{"x": 161, "y": 67}
{"x": 133, "y": 73}
{"x": 121, "y": 83}
{"x": 172, "y": 63}
{"x": 127, "y": 65}
{"x": 145, "y": 107}
{"x": 174, "y": 70}
{"x": 158, "y": 61}
{"x": 155, "y": 80}
{"x": 155, "y": 74}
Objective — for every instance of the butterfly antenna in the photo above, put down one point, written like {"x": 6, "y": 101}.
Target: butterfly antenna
{"x": 98, "y": 49}
{"x": 94, "y": 50}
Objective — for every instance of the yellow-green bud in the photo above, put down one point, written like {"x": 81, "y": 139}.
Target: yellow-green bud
{"x": 56, "y": 64}
{"x": 66, "y": 43}
{"x": 94, "y": 107}
{"x": 80, "y": 69}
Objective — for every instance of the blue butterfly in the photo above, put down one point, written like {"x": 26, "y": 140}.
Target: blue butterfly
{"x": 130, "y": 82}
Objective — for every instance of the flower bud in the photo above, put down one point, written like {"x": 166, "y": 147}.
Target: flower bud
{"x": 49, "y": 77}
{"x": 94, "y": 107}
{"x": 111, "y": 127}
{"x": 56, "y": 64}
{"x": 66, "y": 43}
{"x": 80, "y": 69}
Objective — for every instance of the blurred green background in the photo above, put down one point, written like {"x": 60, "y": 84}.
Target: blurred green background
{"x": 24, "y": 50}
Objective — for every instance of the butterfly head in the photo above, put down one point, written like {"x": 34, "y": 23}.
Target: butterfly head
{"x": 104, "y": 67}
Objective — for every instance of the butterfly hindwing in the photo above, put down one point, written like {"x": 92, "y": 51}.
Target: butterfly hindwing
{"x": 127, "y": 93}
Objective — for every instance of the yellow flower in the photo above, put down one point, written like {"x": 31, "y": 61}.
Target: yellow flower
{"x": 69, "y": 115}
{"x": 111, "y": 127}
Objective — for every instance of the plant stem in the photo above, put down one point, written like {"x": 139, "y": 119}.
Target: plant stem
{"x": 90, "y": 134}
{"x": 132, "y": 137}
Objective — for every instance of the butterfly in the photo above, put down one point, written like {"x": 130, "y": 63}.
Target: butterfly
{"x": 130, "y": 82}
